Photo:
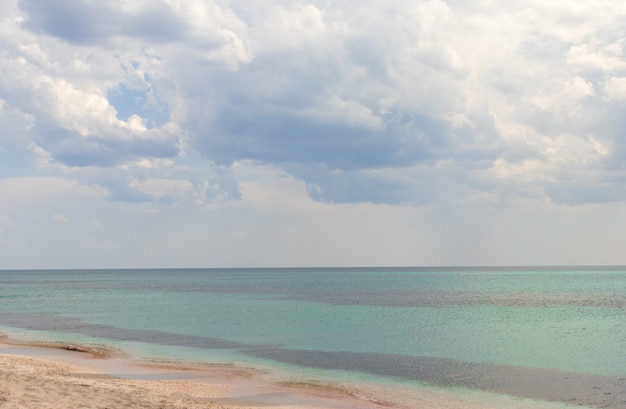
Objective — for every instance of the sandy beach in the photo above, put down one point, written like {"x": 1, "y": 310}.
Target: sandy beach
{"x": 69, "y": 376}
{"x": 64, "y": 377}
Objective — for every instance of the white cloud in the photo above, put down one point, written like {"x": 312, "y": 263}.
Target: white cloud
{"x": 615, "y": 87}
{"x": 280, "y": 28}
{"x": 59, "y": 218}
{"x": 586, "y": 57}
{"x": 371, "y": 109}
{"x": 350, "y": 113}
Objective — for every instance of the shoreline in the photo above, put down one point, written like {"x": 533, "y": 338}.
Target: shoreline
{"x": 63, "y": 375}
{"x": 55, "y": 375}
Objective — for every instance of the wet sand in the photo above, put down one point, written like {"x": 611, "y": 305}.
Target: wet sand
{"x": 34, "y": 377}
{"x": 71, "y": 376}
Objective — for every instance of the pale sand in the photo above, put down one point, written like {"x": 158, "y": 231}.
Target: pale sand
{"x": 63, "y": 376}
{"x": 34, "y": 382}
{"x": 46, "y": 378}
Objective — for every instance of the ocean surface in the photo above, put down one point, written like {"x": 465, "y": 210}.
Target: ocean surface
{"x": 552, "y": 334}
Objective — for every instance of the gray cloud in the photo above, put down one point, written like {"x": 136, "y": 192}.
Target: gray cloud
{"x": 426, "y": 132}
{"x": 386, "y": 103}
{"x": 84, "y": 22}
{"x": 72, "y": 149}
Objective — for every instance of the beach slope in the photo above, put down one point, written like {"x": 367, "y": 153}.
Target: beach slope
{"x": 54, "y": 378}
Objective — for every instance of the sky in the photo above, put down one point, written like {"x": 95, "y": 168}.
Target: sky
{"x": 276, "y": 133}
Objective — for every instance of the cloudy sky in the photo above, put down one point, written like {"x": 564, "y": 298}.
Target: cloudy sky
{"x": 228, "y": 133}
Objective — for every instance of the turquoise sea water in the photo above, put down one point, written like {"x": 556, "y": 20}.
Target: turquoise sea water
{"x": 510, "y": 330}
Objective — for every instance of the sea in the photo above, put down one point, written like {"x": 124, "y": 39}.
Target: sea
{"x": 548, "y": 334}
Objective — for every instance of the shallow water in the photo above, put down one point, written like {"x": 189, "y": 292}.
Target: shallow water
{"x": 554, "y": 334}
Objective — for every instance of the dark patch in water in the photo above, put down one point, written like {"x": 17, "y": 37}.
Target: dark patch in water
{"x": 55, "y": 323}
{"x": 542, "y": 384}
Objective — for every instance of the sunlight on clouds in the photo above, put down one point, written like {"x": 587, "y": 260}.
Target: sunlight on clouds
{"x": 524, "y": 171}
{"x": 146, "y": 163}
{"x": 33, "y": 52}
{"x": 562, "y": 155}
{"x": 615, "y": 87}
{"x": 291, "y": 26}
{"x": 136, "y": 124}
{"x": 351, "y": 113}
{"x": 575, "y": 153}
{"x": 218, "y": 32}
{"x": 81, "y": 110}
{"x": 566, "y": 97}
{"x": 588, "y": 57}
{"x": 314, "y": 133}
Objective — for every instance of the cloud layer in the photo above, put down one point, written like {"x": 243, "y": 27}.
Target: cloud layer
{"x": 422, "y": 104}
{"x": 365, "y": 102}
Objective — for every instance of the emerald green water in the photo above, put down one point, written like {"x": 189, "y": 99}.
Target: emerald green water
{"x": 568, "y": 319}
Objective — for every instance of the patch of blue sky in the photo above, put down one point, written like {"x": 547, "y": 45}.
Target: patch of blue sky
{"x": 128, "y": 101}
